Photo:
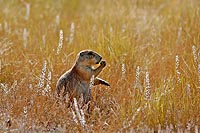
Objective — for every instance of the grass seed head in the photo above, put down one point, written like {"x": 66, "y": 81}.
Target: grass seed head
{"x": 147, "y": 87}
{"x": 194, "y": 51}
{"x": 60, "y": 44}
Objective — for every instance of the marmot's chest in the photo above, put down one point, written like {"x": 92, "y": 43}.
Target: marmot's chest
{"x": 83, "y": 86}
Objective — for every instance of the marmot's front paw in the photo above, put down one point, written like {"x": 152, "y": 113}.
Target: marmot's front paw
{"x": 103, "y": 63}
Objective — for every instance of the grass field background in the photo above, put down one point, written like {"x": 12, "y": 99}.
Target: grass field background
{"x": 152, "y": 50}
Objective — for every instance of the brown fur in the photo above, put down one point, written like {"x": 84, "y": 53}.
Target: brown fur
{"x": 76, "y": 81}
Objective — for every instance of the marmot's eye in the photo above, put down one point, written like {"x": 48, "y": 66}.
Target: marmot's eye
{"x": 81, "y": 54}
{"x": 90, "y": 56}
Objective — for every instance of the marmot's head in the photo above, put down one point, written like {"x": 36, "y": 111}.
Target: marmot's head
{"x": 88, "y": 58}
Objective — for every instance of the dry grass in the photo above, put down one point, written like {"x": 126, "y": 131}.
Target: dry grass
{"x": 151, "y": 48}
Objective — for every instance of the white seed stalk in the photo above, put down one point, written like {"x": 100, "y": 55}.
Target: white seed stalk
{"x": 147, "y": 87}
{"x": 80, "y": 114}
{"x": 111, "y": 32}
{"x": 47, "y": 89}
{"x": 57, "y": 19}
{"x": 25, "y": 37}
{"x": 28, "y": 5}
{"x": 0, "y": 65}
{"x": 4, "y": 88}
{"x": 137, "y": 78}
{"x": 196, "y": 129}
{"x": 60, "y": 42}
{"x": 82, "y": 121}
{"x": 188, "y": 90}
{"x": 72, "y": 30}
{"x": 1, "y": 27}
{"x": 179, "y": 34}
{"x": 44, "y": 39}
{"x": 199, "y": 73}
{"x": 177, "y": 68}
{"x": 194, "y": 51}
{"x": 42, "y": 76}
{"x": 74, "y": 117}
{"x": 6, "y": 28}
{"x": 123, "y": 70}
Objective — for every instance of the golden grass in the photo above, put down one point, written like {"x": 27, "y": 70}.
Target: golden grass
{"x": 148, "y": 34}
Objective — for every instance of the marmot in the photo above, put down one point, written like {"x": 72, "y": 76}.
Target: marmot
{"x": 76, "y": 81}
